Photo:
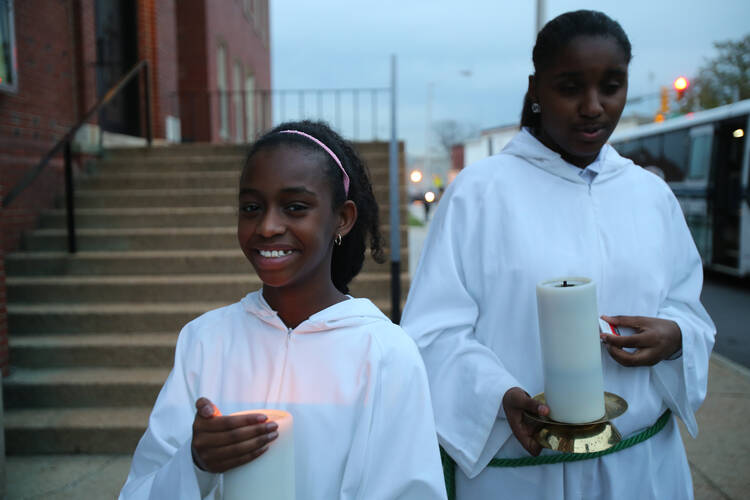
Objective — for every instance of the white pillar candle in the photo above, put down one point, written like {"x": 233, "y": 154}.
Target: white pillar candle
{"x": 271, "y": 475}
{"x": 571, "y": 357}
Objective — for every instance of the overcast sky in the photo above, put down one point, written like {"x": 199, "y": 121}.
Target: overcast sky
{"x": 347, "y": 43}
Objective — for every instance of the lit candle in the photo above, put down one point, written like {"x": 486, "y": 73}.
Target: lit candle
{"x": 571, "y": 357}
{"x": 271, "y": 475}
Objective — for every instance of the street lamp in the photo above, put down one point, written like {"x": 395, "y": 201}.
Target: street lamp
{"x": 415, "y": 176}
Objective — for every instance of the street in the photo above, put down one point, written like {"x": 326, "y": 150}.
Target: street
{"x": 727, "y": 300}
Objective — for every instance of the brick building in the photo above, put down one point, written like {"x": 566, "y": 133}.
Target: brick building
{"x": 210, "y": 70}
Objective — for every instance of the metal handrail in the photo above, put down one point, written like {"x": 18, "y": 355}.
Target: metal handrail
{"x": 64, "y": 143}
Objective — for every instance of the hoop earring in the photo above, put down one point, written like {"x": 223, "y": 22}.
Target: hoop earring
{"x": 338, "y": 239}
{"x": 535, "y": 107}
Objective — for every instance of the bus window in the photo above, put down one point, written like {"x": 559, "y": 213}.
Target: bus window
{"x": 650, "y": 150}
{"x": 700, "y": 154}
{"x": 628, "y": 149}
{"x": 674, "y": 160}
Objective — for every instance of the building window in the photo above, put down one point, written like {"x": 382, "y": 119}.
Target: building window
{"x": 239, "y": 115}
{"x": 221, "y": 88}
{"x": 8, "y": 65}
{"x": 250, "y": 107}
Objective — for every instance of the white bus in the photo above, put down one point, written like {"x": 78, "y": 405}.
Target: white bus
{"x": 705, "y": 158}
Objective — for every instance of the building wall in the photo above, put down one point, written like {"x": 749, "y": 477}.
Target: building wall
{"x": 157, "y": 43}
{"x": 490, "y": 142}
{"x": 242, "y": 26}
{"x": 192, "y": 76}
{"x": 35, "y": 117}
{"x": 45, "y": 106}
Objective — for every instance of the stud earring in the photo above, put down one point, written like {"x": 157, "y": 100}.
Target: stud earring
{"x": 535, "y": 107}
{"x": 338, "y": 239}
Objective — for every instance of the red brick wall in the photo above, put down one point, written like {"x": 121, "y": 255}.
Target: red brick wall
{"x": 42, "y": 110}
{"x": 52, "y": 89}
{"x": 193, "y": 75}
{"x": 457, "y": 157}
{"x": 157, "y": 43}
{"x": 85, "y": 55}
{"x": 246, "y": 37}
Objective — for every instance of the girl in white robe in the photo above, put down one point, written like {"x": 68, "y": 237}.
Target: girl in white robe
{"x": 353, "y": 381}
{"x": 558, "y": 201}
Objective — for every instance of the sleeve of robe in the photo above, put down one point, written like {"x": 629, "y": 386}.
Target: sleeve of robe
{"x": 163, "y": 465}
{"x": 467, "y": 380}
{"x": 402, "y": 457}
{"x": 682, "y": 382}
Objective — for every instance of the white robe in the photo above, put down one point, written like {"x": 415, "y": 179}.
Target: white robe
{"x": 509, "y": 222}
{"x": 354, "y": 383}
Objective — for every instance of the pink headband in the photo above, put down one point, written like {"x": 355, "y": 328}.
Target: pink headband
{"x": 327, "y": 150}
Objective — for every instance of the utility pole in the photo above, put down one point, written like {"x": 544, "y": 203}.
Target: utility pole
{"x": 540, "y": 16}
{"x": 393, "y": 181}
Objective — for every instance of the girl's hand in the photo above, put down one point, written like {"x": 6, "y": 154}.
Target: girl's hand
{"x": 655, "y": 339}
{"x": 222, "y": 443}
{"x": 515, "y": 402}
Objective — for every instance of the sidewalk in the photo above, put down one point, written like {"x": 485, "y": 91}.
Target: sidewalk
{"x": 719, "y": 457}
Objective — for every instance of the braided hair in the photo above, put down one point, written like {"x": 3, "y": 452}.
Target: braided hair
{"x": 349, "y": 256}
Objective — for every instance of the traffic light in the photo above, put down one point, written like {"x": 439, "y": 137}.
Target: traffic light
{"x": 663, "y": 100}
{"x": 680, "y": 85}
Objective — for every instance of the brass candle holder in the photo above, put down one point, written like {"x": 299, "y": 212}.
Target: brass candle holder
{"x": 588, "y": 437}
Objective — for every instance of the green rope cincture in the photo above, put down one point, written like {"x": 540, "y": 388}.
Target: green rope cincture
{"x": 449, "y": 466}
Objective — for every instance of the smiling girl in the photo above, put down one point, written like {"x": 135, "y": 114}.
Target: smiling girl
{"x": 558, "y": 201}
{"x": 353, "y": 381}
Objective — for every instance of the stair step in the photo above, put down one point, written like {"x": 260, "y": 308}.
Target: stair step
{"x": 56, "y": 319}
{"x": 156, "y": 217}
{"x": 199, "y": 149}
{"x": 168, "y": 180}
{"x": 159, "y": 262}
{"x": 103, "y": 318}
{"x": 183, "y": 197}
{"x": 377, "y": 164}
{"x": 165, "y": 288}
{"x": 183, "y": 149}
{"x": 148, "y": 217}
{"x": 174, "y": 238}
{"x": 75, "y": 430}
{"x": 82, "y": 387}
{"x": 94, "y": 350}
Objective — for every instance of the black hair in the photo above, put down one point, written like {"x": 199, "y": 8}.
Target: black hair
{"x": 348, "y": 257}
{"x": 557, "y": 33}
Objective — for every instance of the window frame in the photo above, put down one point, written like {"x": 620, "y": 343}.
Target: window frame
{"x": 13, "y": 86}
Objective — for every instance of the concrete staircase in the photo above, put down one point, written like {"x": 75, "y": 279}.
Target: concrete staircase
{"x": 92, "y": 335}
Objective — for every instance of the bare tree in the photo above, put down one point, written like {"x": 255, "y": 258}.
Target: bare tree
{"x": 721, "y": 80}
{"x": 450, "y": 132}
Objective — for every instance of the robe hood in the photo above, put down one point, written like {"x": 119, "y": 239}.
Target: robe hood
{"x": 351, "y": 312}
{"x": 528, "y": 148}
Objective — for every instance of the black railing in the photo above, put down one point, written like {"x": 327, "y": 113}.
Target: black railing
{"x": 65, "y": 144}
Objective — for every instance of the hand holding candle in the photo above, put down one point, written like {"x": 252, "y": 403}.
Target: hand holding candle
{"x": 271, "y": 476}
{"x": 516, "y": 401}
{"x": 653, "y": 340}
{"x": 221, "y": 442}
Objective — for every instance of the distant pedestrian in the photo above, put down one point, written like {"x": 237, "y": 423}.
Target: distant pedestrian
{"x": 558, "y": 201}
{"x": 353, "y": 381}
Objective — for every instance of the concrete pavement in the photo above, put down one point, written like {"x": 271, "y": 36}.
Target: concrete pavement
{"x": 719, "y": 457}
